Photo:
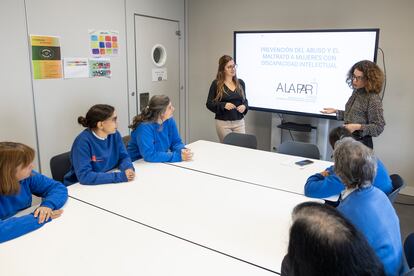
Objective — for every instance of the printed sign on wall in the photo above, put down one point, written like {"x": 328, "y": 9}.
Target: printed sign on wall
{"x": 159, "y": 74}
{"x": 99, "y": 67}
{"x": 104, "y": 43}
{"x": 46, "y": 58}
{"x": 76, "y": 68}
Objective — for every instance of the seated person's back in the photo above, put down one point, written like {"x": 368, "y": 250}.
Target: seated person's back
{"x": 323, "y": 242}
{"x": 366, "y": 206}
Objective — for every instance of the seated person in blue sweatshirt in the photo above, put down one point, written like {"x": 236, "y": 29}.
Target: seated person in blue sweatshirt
{"x": 327, "y": 183}
{"x": 18, "y": 182}
{"x": 323, "y": 242}
{"x": 366, "y": 206}
{"x": 99, "y": 149}
{"x": 155, "y": 135}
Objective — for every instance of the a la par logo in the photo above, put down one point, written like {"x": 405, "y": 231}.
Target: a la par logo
{"x": 305, "y": 91}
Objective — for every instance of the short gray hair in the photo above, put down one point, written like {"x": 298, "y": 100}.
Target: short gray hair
{"x": 355, "y": 163}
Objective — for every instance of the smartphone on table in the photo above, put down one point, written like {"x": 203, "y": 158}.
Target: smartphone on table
{"x": 304, "y": 162}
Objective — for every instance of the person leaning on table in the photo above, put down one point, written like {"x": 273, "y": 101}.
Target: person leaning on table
{"x": 155, "y": 136}
{"x": 363, "y": 115}
{"x": 18, "y": 182}
{"x": 327, "y": 183}
{"x": 99, "y": 149}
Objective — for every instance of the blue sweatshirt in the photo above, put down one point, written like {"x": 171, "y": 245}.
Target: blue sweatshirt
{"x": 92, "y": 157}
{"x": 370, "y": 210}
{"x": 319, "y": 186}
{"x": 155, "y": 142}
{"x": 54, "y": 195}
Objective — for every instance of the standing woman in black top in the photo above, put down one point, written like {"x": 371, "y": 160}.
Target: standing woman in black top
{"x": 227, "y": 99}
{"x": 363, "y": 113}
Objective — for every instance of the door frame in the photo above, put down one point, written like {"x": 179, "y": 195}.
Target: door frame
{"x": 183, "y": 96}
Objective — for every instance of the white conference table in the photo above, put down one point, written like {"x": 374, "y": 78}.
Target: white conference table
{"x": 258, "y": 167}
{"x": 89, "y": 241}
{"x": 245, "y": 221}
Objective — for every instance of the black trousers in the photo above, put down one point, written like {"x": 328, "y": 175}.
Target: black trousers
{"x": 366, "y": 140}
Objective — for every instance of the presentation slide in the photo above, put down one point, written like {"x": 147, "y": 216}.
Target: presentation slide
{"x": 300, "y": 72}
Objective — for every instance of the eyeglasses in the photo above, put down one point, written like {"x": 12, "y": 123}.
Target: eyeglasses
{"x": 358, "y": 78}
{"x": 231, "y": 67}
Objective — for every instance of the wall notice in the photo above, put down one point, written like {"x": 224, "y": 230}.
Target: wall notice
{"x": 46, "y": 57}
{"x": 99, "y": 67}
{"x": 103, "y": 43}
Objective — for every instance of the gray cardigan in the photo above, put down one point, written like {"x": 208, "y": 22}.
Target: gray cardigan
{"x": 366, "y": 109}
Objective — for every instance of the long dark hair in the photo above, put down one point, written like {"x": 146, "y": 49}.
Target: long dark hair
{"x": 373, "y": 75}
{"x": 97, "y": 113}
{"x": 323, "y": 242}
{"x": 220, "y": 78}
{"x": 151, "y": 113}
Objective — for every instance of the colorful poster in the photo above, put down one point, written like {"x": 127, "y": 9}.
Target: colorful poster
{"x": 104, "y": 43}
{"x": 99, "y": 67}
{"x": 46, "y": 59}
{"x": 75, "y": 68}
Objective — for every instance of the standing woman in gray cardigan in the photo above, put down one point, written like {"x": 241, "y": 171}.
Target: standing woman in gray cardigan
{"x": 363, "y": 115}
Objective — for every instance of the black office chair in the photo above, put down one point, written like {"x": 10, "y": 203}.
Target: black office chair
{"x": 60, "y": 165}
{"x": 410, "y": 272}
{"x": 299, "y": 149}
{"x": 126, "y": 139}
{"x": 241, "y": 140}
{"x": 397, "y": 185}
{"x": 409, "y": 250}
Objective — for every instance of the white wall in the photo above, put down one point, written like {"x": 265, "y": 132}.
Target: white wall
{"x": 210, "y": 35}
{"x": 16, "y": 98}
{"x": 166, "y": 9}
{"x": 211, "y": 25}
{"x": 59, "y": 102}
{"x": 55, "y": 104}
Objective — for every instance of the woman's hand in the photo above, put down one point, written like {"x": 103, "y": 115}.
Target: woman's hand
{"x": 46, "y": 213}
{"x": 229, "y": 106}
{"x": 186, "y": 154}
{"x": 329, "y": 110}
{"x": 130, "y": 174}
{"x": 325, "y": 173}
{"x": 353, "y": 127}
{"x": 241, "y": 108}
{"x": 56, "y": 214}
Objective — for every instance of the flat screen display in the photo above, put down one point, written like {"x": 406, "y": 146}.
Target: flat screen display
{"x": 300, "y": 71}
